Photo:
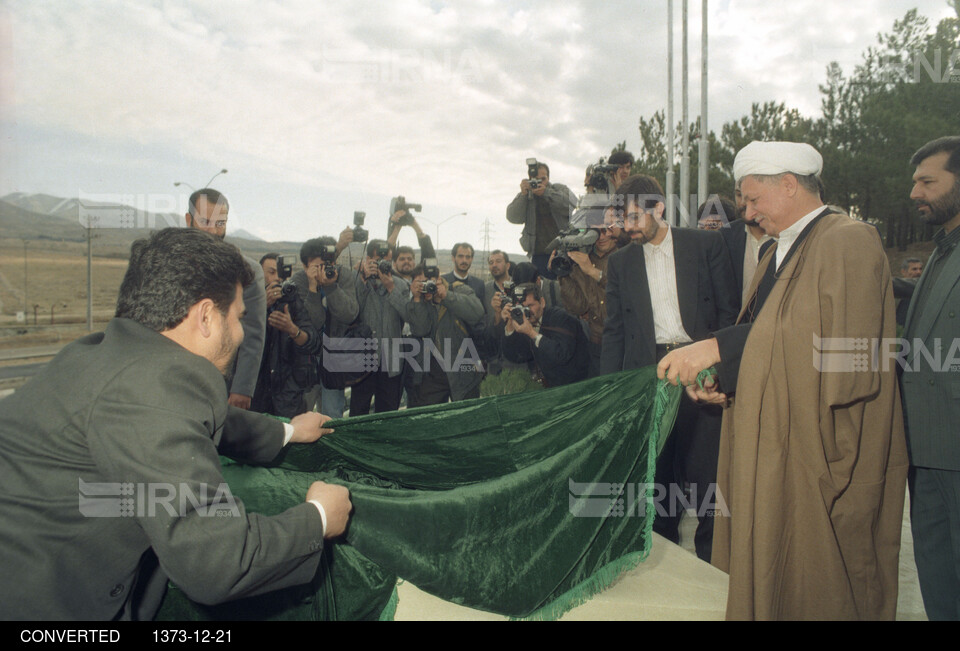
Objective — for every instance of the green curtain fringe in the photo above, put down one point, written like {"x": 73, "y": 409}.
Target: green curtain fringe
{"x": 602, "y": 579}
{"x": 611, "y": 572}
{"x": 390, "y": 610}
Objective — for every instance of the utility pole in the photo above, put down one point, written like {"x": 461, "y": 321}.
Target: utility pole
{"x": 704, "y": 165}
{"x": 671, "y": 174}
{"x": 485, "y": 231}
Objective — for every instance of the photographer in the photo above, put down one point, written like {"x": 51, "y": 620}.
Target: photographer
{"x": 405, "y": 258}
{"x": 583, "y": 290}
{"x": 549, "y": 336}
{"x": 544, "y": 209}
{"x": 329, "y": 295}
{"x": 287, "y": 368}
{"x": 445, "y": 316}
{"x": 383, "y": 298}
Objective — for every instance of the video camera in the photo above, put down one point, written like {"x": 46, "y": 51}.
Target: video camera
{"x": 577, "y": 239}
{"x": 359, "y": 233}
{"x": 599, "y": 177}
{"x": 400, "y": 203}
{"x": 533, "y": 173}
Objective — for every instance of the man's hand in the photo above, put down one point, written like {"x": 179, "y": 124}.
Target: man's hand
{"x": 282, "y": 321}
{"x": 335, "y": 500}
{"x": 327, "y": 282}
{"x": 346, "y": 237}
{"x": 509, "y": 324}
{"x": 416, "y": 288}
{"x": 583, "y": 261}
{"x": 370, "y": 269}
{"x": 273, "y": 293}
{"x": 709, "y": 395}
{"x": 307, "y": 427}
{"x": 239, "y": 400}
{"x": 525, "y": 187}
{"x": 683, "y": 365}
{"x": 442, "y": 290}
{"x": 314, "y": 276}
{"x": 526, "y": 328}
{"x": 386, "y": 280}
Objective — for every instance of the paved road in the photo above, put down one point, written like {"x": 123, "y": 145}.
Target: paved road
{"x": 25, "y": 370}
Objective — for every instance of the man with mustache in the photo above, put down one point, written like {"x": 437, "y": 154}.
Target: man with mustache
{"x": 930, "y": 394}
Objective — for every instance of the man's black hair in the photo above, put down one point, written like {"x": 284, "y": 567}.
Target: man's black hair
{"x": 457, "y": 246}
{"x": 405, "y": 249}
{"x": 527, "y": 289}
{"x": 645, "y": 191}
{"x": 173, "y": 270}
{"x": 313, "y": 248}
{"x": 621, "y": 158}
{"x": 506, "y": 258}
{"x": 213, "y": 196}
{"x": 269, "y": 256}
{"x": 950, "y": 144}
{"x": 719, "y": 205}
{"x": 525, "y": 272}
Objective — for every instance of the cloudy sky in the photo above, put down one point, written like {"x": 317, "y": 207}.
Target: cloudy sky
{"x": 318, "y": 110}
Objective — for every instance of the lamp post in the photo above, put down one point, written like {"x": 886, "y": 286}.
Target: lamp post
{"x": 436, "y": 243}
{"x": 223, "y": 171}
{"x": 177, "y": 184}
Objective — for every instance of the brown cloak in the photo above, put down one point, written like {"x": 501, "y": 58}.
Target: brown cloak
{"x": 813, "y": 464}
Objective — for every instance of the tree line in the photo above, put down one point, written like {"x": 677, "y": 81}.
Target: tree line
{"x": 905, "y": 92}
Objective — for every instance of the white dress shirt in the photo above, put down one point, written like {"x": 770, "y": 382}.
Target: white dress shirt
{"x": 662, "y": 281}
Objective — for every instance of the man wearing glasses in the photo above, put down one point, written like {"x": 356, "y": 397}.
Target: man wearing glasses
{"x": 208, "y": 213}
{"x": 669, "y": 288}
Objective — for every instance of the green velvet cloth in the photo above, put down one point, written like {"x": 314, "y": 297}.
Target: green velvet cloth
{"x": 472, "y": 501}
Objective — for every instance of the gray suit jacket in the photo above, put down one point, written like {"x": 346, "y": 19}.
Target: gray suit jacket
{"x": 109, "y": 462}
{"x": 254, "y": 331}
{"x": 931, "y": 392}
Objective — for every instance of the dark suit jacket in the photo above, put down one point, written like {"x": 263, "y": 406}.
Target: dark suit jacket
{"x": 735, "y": 236}
{"x": 931, "y": 395}
{"x": 562, "y": 354}
{"x": 705, "y": 288}
{"x": 123, "y": 415}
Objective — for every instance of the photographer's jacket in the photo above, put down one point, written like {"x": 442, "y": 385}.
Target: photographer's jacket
{"x": 542, "y": 217}
{"x": 562, "y": 354}
{"x": 385, "y": 312}
{"x": 449, "y": 325}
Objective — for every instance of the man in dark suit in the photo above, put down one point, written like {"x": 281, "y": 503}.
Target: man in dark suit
{"x": 668, "y": 288}
{"x": 462, "y": 261}
{"x": 550, "y": 337}
{"x": 208, "y": 212}
{"x": 130, "y": 422}
{"x": 744, "y": 240}
{"x": 930, "y": 406}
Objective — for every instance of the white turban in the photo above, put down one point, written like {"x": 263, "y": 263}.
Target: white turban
{"x": 768, "y": 158}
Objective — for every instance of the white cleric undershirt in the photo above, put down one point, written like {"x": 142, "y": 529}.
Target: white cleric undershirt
{"x": 751, "y": 258}
{"x": 789, "y": 235}
{"x": 662, "y": 281}
{"x": 287, "y": 435}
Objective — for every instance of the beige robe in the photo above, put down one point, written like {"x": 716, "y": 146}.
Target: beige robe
{"x": 813, "y": 464}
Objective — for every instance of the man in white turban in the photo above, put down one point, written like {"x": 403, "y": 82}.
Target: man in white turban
{"x": 812, "y": 454}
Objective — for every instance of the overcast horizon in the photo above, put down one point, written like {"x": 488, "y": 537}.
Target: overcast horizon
{"x": 318, "y": 111}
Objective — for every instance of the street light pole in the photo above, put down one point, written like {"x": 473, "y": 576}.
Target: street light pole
{"x": 223, "y": 171}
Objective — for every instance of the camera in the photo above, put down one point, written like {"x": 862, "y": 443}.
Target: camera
{"x": 429, "y": 287}
{"x": 284, "y": 270}
{"x": 328, "y": 254}
{"x": 360, "y": 234}
{"x": 430, "y": 268}
{"x": 518, "y": 312}
{"x": 578, "y": 239}
{"x": 400, "y": 203}
{"x": 533, "y": 172}
{"x": 599, "y": 177}
{"x": 507, "y": 295}
{"x": 384, "y": 266}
